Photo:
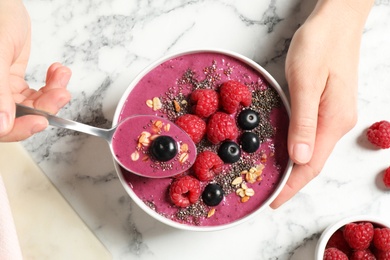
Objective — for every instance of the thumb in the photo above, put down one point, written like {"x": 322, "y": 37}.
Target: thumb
{"x": 305, "y": 101}
{"x": 7, "y": 104}
{"x": 7, "y": 108}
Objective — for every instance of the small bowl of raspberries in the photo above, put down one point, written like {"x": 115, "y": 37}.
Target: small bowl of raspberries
{"x": 356, "y": 237}
{"x": 237, "y": 116}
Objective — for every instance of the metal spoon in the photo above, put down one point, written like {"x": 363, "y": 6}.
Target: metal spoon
{"x": 130, "y": 141}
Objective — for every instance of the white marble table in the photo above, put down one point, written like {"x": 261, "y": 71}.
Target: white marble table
{"x": 106, "y": 43}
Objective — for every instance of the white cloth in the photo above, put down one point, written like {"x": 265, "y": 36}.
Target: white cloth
{"x": 9, "y": 244}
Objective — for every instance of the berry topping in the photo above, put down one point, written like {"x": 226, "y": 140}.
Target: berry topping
{"x": 332, "y": 253}
{"x": 163, "y": 148}
{"x": 365, "y": 254}
{"x": 359, "y": 235}
{"x": 381, "y": 239}
{"x": 386, "y": 178}
{"x": 249, "y": 142}
{"x": 184, "y": 191}
{"x": 229, "y": 152}
{"x": 234, "y": 93}
{"x": 205, "y": 102}
{"x": 207, "y": 165}
{"x": 248, "y": 119}
{"x": 212, "y": 194}
{"x": 379, "y": 134}
{"x": 382, "y": 255}
{"x": 193, "y": 125}
{"x": 220, "y": 127}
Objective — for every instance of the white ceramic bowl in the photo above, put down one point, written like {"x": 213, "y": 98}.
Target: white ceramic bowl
{"x": 170, "y": 222}
{"x": 328, "y": 232}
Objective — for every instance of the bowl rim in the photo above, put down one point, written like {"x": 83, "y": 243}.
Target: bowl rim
{"x": 176, "y": 54}
{"x": 328, "y": 232}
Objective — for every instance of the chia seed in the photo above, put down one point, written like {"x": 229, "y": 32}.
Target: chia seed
{"x": 192, "y": 213}
{"x": 264, "y": 100}
{"x": 151, "y": 204}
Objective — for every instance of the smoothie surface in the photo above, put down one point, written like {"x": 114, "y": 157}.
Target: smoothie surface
{"x": 171, "y": 83}
{"x": 134, "y": 136}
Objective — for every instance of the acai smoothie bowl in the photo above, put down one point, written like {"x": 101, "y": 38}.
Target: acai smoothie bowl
{"x": 237, "y": 116}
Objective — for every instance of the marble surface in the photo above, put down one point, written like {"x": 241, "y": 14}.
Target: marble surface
{"x": 106, "y": 43}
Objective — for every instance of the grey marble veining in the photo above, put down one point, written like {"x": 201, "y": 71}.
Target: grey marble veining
{"x": 107, "y": 43}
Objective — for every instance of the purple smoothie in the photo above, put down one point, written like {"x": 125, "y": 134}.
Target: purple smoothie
{"x": 133, "y": 138}
{"x": 175, "y": 79}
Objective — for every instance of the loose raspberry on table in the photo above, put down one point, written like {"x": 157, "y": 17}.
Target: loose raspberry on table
{"x": 184, "y": 191}
{"x": 359, "y": 235}
{"x": 234, "y": 93}
{"x": 205, "y": 102}
{"x": 207, "y": 165}
{"x": 379, "y": 134}
{"x": 386, "y": 178}
{"x": 365, "y": 254}
{"x": 332, "y": 253}
{"x": 338, "y": 241}
{"x": 221, "y": 127}
{"x": 193, "y": 125}
{"x": 381, "y": 239}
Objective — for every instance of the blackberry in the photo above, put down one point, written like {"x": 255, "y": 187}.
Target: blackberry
{"x": 248, "y": 119}
{"x": 249, "y": 142}
{"x": 229, "y": 152}
{"x": 212, "y": 194}
{"x": 163, "y": 148}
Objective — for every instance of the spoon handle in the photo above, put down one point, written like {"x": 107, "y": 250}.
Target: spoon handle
{"x": 22, "y": 110}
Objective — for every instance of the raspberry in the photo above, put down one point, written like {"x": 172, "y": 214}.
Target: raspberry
{"x": 207, "y": 165}
{"x": 386, "y": 178}
{"x": 381, "y": 239}
{"x": 359, "y": 235}
{"x": 365, "y": 254}
{"x": 338, "y": 241}
{"x": 332, "y": 253}
{"x": 184, "y": 191}
{"x": 379, "y": 134}
{"x": 382, "y": 255}
{"x": 221, "y": 127}
{"x": 194, "y": 126}
{"x": 234, "y": 93}
{"x": 205, "y": 102}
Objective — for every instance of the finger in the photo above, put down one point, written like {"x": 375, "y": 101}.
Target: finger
{"x": 52, "y": 100}
{"x": 11, "y": 53}
{"x": 305, "y": 93}
{"x": 54, "y": 95}
{"x": 24, "y": 127}
{"x": 57, "y": 76}
{"x": 7, "y": 112}
{"x": 303, "y": 174}
{"x": 51, "y": 70}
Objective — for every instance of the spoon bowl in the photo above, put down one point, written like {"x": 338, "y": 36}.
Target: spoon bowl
{"x": 132, "y": 140}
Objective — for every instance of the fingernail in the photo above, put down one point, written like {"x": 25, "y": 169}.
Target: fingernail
{"x": 302, "y": 153}
{"x": 4, "y": 122}
{"x": 65, "y": 79}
